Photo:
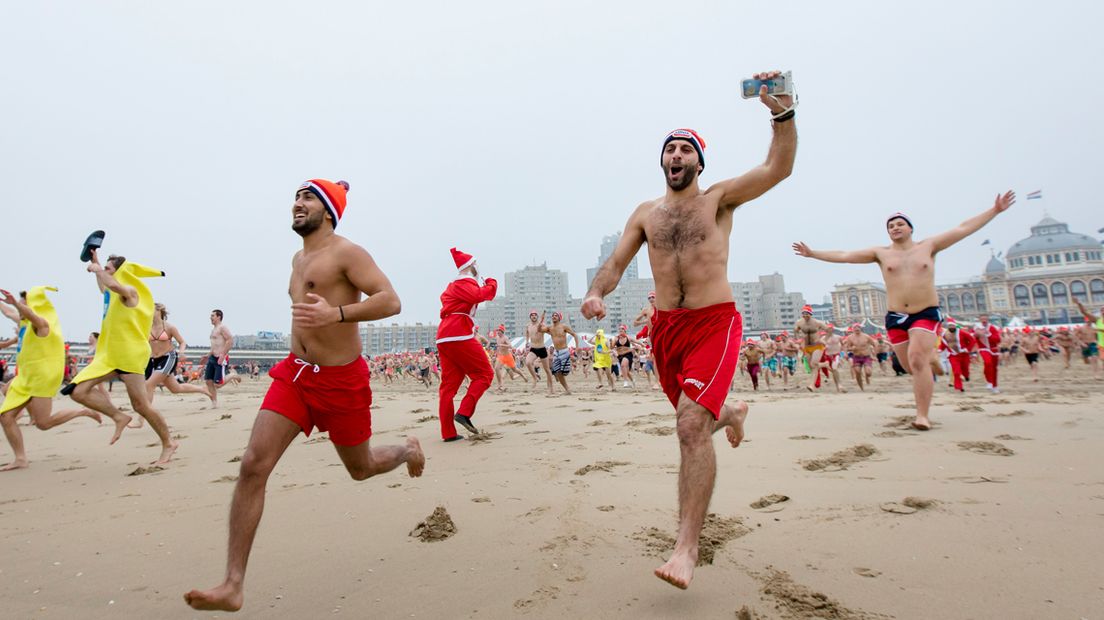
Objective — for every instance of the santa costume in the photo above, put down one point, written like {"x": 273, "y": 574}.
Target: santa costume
{"x": 460, "y": 353}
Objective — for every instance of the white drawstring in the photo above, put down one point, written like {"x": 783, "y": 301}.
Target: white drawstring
{"x": 303, "y": 364}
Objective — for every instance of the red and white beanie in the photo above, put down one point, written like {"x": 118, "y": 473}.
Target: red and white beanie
{"x": 331, "y": 194}
{"x": 462, "y": 260}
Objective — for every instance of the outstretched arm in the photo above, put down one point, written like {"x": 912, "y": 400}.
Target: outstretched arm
{"x": 780, "y": 157}
{"x": 1085, "y": 312}
{"x": 609, "y": 274}
{"x": 869, "y": 255}
{"x": 944, "y": 240}
{"x": 40, "y": 325}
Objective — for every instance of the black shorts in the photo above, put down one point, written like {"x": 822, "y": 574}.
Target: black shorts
{"x": 624, "y": 356}
{"x": 214, "y": 371}
{"x": 424, "y": 372}
{"x": 166, "y": 365}
{"x": 883, "y": 357}
{"x": 540, "y": 352}
{"x": 1032, "y": 358}
{"x": 898, "y": 323}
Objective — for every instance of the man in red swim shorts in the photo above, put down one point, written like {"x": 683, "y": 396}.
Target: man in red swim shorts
{"x": 908, "y": 267}
{"x": 695, "y": 329}
{"x": 323, "y": 383}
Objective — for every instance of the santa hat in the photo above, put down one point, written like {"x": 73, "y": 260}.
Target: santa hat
{"x": 331, "y": 194}
{"x": 806, "y": 309}
{"x": 690, "y": 136}
{"x": 899, "y": 216}
{"x": 462, "y": 260}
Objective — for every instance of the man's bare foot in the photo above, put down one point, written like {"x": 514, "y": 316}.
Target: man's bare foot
{"x": 16, "y": 464}
{"x": 732, "y": 418}
{"x": 166, "y": 453}
{"x": 136, "y": 423}
{"x": 415, "y": 461}
{"x": 678, "y": 571}
{"x": 121, "y": 424}
{"x": 223, "y": 598}
{"x": 88, "y": 413}
{"x": 922, "y": 424}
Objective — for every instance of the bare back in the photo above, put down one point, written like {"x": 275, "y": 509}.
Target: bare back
{"x": 324, "y": 272}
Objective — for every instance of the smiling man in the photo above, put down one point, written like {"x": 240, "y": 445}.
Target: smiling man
{"x": 908, "y": 267}
{"x": 695, "y": 329}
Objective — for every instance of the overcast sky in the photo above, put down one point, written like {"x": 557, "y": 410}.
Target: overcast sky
{"x": 520, "y": 132}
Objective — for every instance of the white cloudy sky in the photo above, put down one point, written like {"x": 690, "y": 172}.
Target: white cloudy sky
{"x": 521, "y": 132}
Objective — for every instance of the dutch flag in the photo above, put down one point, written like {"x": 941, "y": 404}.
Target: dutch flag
{"x": 1035, "y": 194}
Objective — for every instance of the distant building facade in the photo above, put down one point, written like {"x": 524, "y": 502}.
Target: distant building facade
{"x": 262, "y": 341}
{"x": 609, "y": 244}
{"x": 765, "y": 305}
{"x": 376, "y": 338}
{"x": 859, "y": 301}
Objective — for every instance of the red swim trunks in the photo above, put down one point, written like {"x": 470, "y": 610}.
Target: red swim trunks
{"x": 696, "y": 352}
{"x": 337, "y": 399}
{"x": 899, "y": 324}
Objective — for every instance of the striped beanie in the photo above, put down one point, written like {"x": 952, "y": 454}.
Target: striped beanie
{"x": 331, "y": 194}
{"x": 690, "y": 136}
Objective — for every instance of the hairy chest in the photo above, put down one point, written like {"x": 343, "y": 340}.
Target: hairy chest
{"x": 682, "y": 227}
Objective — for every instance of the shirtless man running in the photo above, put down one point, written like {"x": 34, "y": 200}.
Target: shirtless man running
{"x": 807, "y": 330}
{"x": 770, "y": 356}
{"x": 215, "y": 373}
{"x": 696, "y": 330}
{"x": 534, "y": 334}
{"x": 861, "y": 347}
{"x": 833, "y": 347}
{"x": 504, "y": 358}
{"x": 789, "y": 347}
{"x": 323, "y": 382}
{"x": 561, "y": 354}
{"x": 1064, "y": 340}
{"x": 908, "y": 267}
{"x": 1032, "y": 348}
{"x": 645, "y": 317}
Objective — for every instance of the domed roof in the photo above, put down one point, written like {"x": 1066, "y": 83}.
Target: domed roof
{"x": 995, "y": 266}
{"x": 1050, "y": 235}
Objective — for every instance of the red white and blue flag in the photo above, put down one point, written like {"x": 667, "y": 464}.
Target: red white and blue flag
{"x": 1037, "y": 194}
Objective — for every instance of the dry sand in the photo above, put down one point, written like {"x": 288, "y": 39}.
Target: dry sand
{"x": 997, "y": 513}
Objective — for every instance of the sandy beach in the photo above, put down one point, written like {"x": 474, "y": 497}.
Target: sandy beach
{"x": 568, "y": 504}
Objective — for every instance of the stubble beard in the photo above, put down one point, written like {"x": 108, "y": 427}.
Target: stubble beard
{"x": 689, "y": 175}
{"x": 309, "y": 224}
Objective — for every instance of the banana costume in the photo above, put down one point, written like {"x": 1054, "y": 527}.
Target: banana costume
{"x": 40, "y": 361}
{"x": 601, "y": 350}
{"x": 124, "y": 334}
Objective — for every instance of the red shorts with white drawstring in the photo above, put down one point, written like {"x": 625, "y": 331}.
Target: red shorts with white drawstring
{"x": 696, "y": 351}
{"x": 337, "y": 399}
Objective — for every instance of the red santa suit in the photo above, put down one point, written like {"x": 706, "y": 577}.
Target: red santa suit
{"x": 460, "y": 353}
{"x": 959, "y": 345}
{"x": 989, "y": 337}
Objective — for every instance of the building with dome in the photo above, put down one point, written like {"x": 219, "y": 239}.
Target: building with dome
{"x": 1038, "y": 280}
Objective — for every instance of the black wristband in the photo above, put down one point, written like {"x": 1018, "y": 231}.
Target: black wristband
{"x": 342, "y": 311}
{"x": 785, "y": 117}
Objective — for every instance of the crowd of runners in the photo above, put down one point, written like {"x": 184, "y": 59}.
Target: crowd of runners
{"x": 689, "y": 344}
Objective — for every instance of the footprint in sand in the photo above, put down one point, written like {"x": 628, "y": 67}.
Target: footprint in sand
{"x": 661, "y": 431}
{"x": 841, "y": 460}
{"x": 225, "y": 416}
{"x": 141, "y": 471}
{"x": 481, "y": 500}
{"x": 716, "y": 532}
{"x": 598, "y": 423}
{"x": 1011, "y": 414}
{"x": 866, "y": 572}
{"x": 427, "y": 418}
{"x": 236, "y": 459}
{"x": 484, "y": 437}
{"x": 319, "y": 439}
{"x": 804, "y": 437}
{"x": 986, "y": 447}
{"x": 797, "y": 601}
{"x": 606, "y": 508}
{"x": 909, "y": 505}
{"x": 968, "y": 407}
{"x": 600, "y": 466}
{"x": 1007, "y": 437}
{"x": 227, "y": 479}
{"x": 520, "y": 422}
{"x": 419, "y": 410}
{"x": 769, "y": 500}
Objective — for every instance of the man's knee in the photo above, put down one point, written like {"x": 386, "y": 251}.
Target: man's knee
{"x": 360, "y": 472}
{"x": 694, "y": 423}
{"x": 256, "y": 466}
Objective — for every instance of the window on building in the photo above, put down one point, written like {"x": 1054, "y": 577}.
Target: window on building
{"x": 1039, "y": 295}
{"x": 968, "y": 302}
{"x": 853, "y": 302}
{"x": 1050, "y": 259}
{"x": 1096, "y": 287}
{"x": 1058, "y": 294}
{"x": 953, "y": 304}
{"x": 1078, "y": 291}
{"x": 981, "y": 301}
{"x": 1020, "y": 293}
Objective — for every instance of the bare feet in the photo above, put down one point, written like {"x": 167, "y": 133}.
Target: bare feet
{"x": 166, "y": 453}
{"x": 732, "y": 418}
{"x": 136, "y": 423}
{"x": 16, "y": 464}
{"x": 678, "y": 571}
{"x": 88, "y": 413}
{"x": 922, "y": 424}
{"x": 225, "y": 597}
{"x": 415, "y": 461}
{"x": 121, "y": 424}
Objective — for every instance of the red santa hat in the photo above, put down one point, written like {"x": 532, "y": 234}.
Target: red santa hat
{"x": 462, "y": 260}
